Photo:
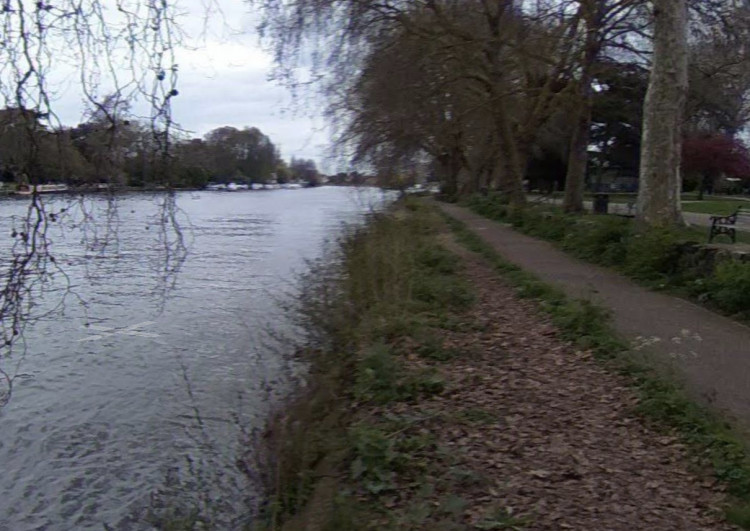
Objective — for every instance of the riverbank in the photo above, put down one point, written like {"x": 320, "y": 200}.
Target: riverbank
{"x": 442, "y": 395}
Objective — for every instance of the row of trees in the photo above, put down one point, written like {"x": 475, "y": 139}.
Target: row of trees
{"x": 486, "y": 91}
{"x": 111, "y": 147}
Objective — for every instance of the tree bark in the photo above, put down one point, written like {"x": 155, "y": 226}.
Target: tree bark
{"x": 511, "y": 180}
{"x": 578, "y": 157}
{"x": 579, "y": 151}
{"x": 660, "y": 177}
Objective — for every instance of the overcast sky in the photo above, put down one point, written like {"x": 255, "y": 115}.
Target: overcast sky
{"x": 224, "y": 81}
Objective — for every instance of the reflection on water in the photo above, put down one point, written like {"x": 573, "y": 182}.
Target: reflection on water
{"x": 138, "y": 379}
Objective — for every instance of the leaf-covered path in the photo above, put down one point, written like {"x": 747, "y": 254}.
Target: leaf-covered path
{"x": 553, "y": 432}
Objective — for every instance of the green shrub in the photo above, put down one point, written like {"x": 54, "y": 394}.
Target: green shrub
{"x": 438, "y": 260}
{"x": 666, "y": 256}
{"x": 431, "y": 346}
{"x": 491, "y": 206}
{"x": 380, "y": 455}
{"x": 552, "y": 226}
{"x": 729, "y": 288}
{"x": 376, "y": 376}
{"x": 376, "y": 460}
{"x": 653, "y": 254}
{"x": 599, "y": 239}
{"x": 380, "y": 378}
{"x": 442, "y": 291}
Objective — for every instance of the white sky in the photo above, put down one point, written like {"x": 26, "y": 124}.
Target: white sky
{"x": 224, "y": 81}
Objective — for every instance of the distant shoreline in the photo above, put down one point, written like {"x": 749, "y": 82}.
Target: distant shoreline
{"x": 153, "y": 189}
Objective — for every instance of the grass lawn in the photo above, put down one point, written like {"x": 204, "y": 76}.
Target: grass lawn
{"x": 623, "y": 198}
{"x": 700, "y": 234}
{"x": 717, "y": 207}
{"x": 615, "y": 198}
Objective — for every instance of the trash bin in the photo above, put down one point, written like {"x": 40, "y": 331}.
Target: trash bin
{"x": 601, "y": 203}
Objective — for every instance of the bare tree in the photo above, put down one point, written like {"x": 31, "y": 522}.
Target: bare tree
{"x": 124, "y": 49}
{"x": 603, "y": 24}
{"x": 513, "y": 64}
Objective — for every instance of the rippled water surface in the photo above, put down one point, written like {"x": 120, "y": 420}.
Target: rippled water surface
{"x": 153, "y": 360}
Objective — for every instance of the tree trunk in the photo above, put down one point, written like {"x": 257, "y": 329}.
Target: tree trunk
{"x": 578, "y": 156}
{"x": 511, "y": 180}
{"x": 660, "y": 179}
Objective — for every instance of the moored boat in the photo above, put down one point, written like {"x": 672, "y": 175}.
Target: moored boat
{"x": 30, "y": 189}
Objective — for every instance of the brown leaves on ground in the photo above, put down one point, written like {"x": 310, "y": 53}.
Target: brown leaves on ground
{"x": 532, "y": 434}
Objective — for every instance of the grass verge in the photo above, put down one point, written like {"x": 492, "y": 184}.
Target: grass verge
{"x": 350, "y": 454}
{"x": 710, "y": 439}
{"x": 664, "y": 259}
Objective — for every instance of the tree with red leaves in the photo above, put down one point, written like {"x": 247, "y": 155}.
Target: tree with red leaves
{"x": 713, "y": 155}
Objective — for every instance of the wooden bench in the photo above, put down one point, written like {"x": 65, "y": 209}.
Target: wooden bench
{"x": 728, "y": 224}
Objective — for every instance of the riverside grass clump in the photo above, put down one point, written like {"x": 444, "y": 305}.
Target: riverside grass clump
{"x": 730, "y": 287}
{"x": 664, "y": 403}
{"x": 386, "y": 284}
{"x": 660, "y": 258}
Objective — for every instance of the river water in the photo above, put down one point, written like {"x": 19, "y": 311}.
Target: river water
{"x": 135, "y": 391}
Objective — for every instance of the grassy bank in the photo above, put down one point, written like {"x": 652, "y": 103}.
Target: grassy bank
{"x": 659, "y": 258}
{"x": 663, "y": 403}
{"x": 345, "y": 448}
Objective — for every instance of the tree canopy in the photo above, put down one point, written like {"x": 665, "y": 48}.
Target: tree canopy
{"x": 484, "y": 91}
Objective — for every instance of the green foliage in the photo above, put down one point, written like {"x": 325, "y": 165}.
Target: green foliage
{"x": 380, "y": 456}
{"x": 602, "y": 240}
{"x": 653, "y": 254}
{"x": 550, "y": 225}
{"x": 739, "y": 514}
{"x": 438, "y": 260}
{"x": 491, "y": 206}
{"x": 587, "y": 325}
{"x": 380, "y": 378}
{"x": 503, "y": 519}
{"x": 394, "y": 266}
{"x": 389, "y": 283}
{"x": 657, "y": 257}
{"x": 430, "y": 346}
{"x": 377, "y": 376}
{"x": 729, "y": 288}
{"x": 376, "y": 459}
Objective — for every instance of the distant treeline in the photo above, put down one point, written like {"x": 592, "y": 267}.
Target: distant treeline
{"x": 111, "y": 147}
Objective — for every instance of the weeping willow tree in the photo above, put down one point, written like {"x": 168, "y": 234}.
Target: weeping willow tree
{"x": 511, "y": 66}
{"x": 117, "y": 51}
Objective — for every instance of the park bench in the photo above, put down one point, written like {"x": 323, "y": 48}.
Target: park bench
{"x": 728, "y": 224}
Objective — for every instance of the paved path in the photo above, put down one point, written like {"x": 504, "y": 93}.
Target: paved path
{"x": 711, "y": 352}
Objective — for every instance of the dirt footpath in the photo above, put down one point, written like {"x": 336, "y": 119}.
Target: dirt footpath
{"x": 551, "y": 432}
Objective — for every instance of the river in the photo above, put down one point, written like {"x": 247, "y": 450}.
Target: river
{"x": 135, "y": 391}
